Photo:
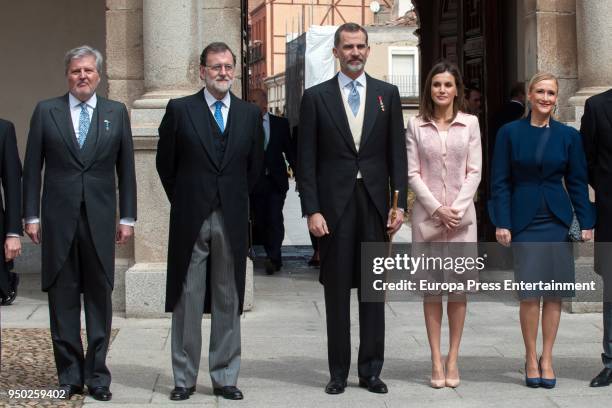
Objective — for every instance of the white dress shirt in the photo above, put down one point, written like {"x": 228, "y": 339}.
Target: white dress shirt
{"x": 75, "y": 113}
{"x": 345, "y": 82}
{"x": 211, "y": 100}
{"x": 75, "y": 110}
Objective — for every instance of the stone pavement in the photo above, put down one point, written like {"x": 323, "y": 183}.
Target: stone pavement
{"x": 284, "y": 353}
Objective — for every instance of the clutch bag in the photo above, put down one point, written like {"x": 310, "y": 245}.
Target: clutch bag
{"x": 575, "y": 233}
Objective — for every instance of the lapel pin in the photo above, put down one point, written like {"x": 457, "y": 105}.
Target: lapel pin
{"x": 106, "y": 125}
{"x": 381, "y": 104}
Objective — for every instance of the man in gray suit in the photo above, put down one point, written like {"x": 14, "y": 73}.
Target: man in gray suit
{"x": 83, "y": 141}
{"x": 209, "y": 156}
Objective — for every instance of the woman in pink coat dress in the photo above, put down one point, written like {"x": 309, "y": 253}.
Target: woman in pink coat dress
{"x": 444, "y": 170}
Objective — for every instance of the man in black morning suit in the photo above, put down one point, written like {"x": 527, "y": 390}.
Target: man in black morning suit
{"x": 10, "y": 207}
{"x": 209, "y": 155}
{"x": 596, "y": 130}
{"x": 268, "y": 196}
{"x": 84, "y": 142}
{"x": 351, "y": 154}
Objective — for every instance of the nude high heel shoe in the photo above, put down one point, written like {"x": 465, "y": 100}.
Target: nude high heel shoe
{"x": 437, "y": 383}
{"x": 452, "y": 382}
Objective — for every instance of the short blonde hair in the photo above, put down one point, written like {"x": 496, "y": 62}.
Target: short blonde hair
{"x": 542, "y": 76}
{"x": 539, "y": 77}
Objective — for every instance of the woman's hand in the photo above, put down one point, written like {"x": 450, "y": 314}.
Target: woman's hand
{"x": 587, "y": 235}
{"x": 448, "y": 216}
{"x": 503, "y": 236}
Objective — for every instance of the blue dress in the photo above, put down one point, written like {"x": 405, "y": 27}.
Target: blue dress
{"x": 528, "y": 197}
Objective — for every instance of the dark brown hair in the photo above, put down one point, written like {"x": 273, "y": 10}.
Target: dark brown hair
{"x": 426, "y": 108}
{"x": 351, "y": 28}
{"x": 215, "y": 47}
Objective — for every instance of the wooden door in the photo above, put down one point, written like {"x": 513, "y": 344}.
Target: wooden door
{"x": 467, "y": 32}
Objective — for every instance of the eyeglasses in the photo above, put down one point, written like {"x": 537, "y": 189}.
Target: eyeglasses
{"x": 218, "y": 67}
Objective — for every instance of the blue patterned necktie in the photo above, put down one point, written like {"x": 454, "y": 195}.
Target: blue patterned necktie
{"x": 219, "y": 116}
{"x": 83, "y": 124}
{"x": 353, "y": 98}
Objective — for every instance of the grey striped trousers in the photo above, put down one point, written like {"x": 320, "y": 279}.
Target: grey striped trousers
{"x": 212, "y": 249}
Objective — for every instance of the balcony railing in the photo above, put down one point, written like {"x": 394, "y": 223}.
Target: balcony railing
{"x": 256, "y": 53}
{"x": 408, "y": 85}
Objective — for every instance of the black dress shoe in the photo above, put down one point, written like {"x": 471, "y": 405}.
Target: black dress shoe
{"x": 100, "y": 393}
{"x": 13, "y": 281}
{"x": 272, "y": 266}
{"x": 315, "y": 263}
{"x": 229, "y": 392}
{"x": 335, "y": 386}
{"x": 373, "y": 384}
{"x": 71, "y": 390}
{"x": 181, "y": 393}
{"x": 603, "y": 379}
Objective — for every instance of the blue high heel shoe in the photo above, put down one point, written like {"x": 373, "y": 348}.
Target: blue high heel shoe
{"x": 532, "y": 382}
{"x": 546, "y": 382}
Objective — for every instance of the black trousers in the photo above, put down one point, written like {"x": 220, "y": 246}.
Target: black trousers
{"x": 267, "y": 203}
{"x": 314, "y": 241}
{"x": 82, "y": 273}
{"x": 340, "y": 269}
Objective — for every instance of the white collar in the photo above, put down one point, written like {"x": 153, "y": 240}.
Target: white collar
{"x": 73, "y": 102}
{"x": 266, "y": 116}
{"x": 344, "y": 79}
{"x": 210, "y": 99}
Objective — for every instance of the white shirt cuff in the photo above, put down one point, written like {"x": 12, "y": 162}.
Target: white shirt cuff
{"x": 129, "y": 221}
{"x": 125, "y": 221}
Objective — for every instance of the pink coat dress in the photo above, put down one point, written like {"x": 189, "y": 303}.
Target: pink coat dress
{"x": 444, "y": 176}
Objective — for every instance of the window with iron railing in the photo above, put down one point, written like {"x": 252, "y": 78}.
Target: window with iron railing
{"x": 408, "y": 85}
{"x": 404, "y": 70}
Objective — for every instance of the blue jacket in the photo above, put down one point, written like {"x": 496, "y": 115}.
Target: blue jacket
{"x": 518, "y": 183}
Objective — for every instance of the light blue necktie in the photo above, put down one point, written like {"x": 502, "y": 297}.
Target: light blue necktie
{"x": 83, "y": 124}
{"x": 266, "y": 134}
{"x": 353, "y": 98}
{"x": 219, "y": 116}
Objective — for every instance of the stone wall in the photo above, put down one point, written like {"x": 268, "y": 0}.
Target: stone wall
{"x": 124, "y": 53}
{"x": 550, "y": 45}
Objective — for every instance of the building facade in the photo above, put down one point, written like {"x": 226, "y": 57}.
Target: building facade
{"x": 274, "y": 22}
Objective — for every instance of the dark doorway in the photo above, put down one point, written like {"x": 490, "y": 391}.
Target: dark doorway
{"x": 469, "y": 33}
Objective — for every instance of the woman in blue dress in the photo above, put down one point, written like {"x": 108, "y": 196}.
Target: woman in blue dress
{"x": 531, "y": 208}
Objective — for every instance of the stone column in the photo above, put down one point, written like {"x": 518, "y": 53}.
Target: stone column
{"x": 171, "y": 39}
{"x": 173, "y": 34}
{"x": 594, "y": 31}
{"x": 125, "y": 83}
{"x": 221, "y": 21}
{"x": 549, "y": 31}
